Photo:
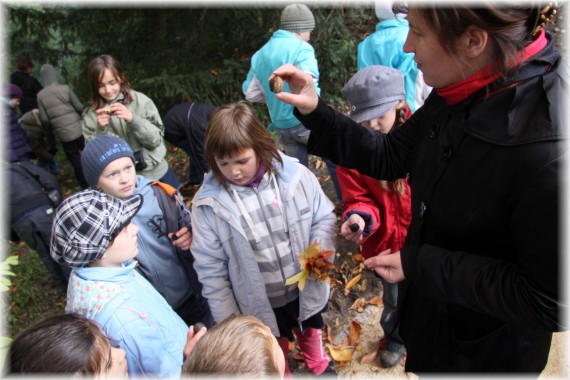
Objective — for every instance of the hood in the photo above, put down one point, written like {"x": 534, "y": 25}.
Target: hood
{"x": 540, "y": 90}
{"x": 91, "y": 288}
{"x": 48, "y": 75}
{"x": 285, "y": 173}
{"x": 144, "y": 186}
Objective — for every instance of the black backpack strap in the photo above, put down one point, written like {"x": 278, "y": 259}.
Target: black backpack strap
{"x": 168, "y": 199}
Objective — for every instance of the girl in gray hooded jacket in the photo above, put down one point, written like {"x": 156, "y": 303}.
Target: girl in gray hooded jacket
{"x": 254, "y": 215}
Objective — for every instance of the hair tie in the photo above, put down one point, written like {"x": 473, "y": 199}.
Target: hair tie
{"x": 546, "y": 15}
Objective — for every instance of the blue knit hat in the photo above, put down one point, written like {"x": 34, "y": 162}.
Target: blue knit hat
{"x": 100, "y": 152}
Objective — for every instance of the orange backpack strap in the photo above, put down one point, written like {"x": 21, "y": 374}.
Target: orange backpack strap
{"x": 168, "y": 189}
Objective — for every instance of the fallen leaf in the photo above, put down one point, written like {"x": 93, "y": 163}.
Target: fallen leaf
{"x": 358, "y": 303}
{"x": 375, "y": 301}
{"x": 354, "y": 333}
{"x": 329, "y": 333}
{"x": 357, "y": 257}
{"x": 362, "y": 287}
{"x": 353, "y": 282}
{"x": 339, "y": 355}
{"x": 370, "y": 357}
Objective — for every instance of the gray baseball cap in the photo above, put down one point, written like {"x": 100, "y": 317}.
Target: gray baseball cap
{"x": 373, "y": 91}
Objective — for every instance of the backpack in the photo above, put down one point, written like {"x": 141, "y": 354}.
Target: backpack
{"x": 176, "y": 216}
{"x": 46, "y": 181}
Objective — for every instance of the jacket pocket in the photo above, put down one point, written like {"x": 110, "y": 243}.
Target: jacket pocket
{"x": 489, "y": 353}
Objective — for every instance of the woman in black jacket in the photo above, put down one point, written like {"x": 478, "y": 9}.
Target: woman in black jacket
{"x": 479, "y": 274}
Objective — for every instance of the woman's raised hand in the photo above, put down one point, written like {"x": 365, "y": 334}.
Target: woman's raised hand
{"x": 303, "y": 94}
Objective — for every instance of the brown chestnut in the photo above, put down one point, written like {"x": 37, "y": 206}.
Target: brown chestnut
{"x": 276, "y": 84}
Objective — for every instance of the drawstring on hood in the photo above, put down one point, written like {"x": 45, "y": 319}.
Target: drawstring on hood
{"x": 246, "y": 215}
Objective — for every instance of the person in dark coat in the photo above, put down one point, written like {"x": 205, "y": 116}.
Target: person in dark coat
{"x": 19, "y": 146}
{"x": 30, "y": 86}
{"x": 479, "y": 284}
{"x": 32, "y": 212}
{"x": 42, "y": 140}
{"x": 185, "y": 127}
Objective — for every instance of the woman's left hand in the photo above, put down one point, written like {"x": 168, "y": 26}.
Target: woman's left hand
{"x": 388, "y": 265}
{"x": 121, "y": 111}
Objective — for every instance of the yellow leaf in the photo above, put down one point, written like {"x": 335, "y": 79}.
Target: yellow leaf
{"x": 300, "y": 277}
{"x": 353, "y": 282}
{"x": 303, "y": 280}
{"x": 340, "y": 355}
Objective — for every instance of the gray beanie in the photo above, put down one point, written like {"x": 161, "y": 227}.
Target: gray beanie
{"x": 100, "y": 152}
{"x": 297, "y": 18}
{"x": 373, "y": 91}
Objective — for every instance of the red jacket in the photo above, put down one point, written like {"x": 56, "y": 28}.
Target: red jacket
{"x": 387, "y": 214}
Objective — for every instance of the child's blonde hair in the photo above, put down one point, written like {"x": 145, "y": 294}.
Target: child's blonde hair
{"x": 240, "y": 345}
{"x": 233, "y": 128}
{"x": 399, "y": 186}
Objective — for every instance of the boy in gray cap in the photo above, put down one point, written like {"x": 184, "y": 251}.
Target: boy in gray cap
{"x": 377, "y": 213}
{"x": 93, "y": 234}
{"x": 289, "y": 44}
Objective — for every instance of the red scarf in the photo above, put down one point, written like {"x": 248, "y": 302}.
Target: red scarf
{"x": 460, "y": 91}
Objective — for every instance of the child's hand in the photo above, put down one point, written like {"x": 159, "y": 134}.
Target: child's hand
{"x": 192, "y": 338}
{"x": 103, "y": 117}
{"x": 120, "y": 111}
{"x": 182, "y": 238}
{"x": 349, "y": 231}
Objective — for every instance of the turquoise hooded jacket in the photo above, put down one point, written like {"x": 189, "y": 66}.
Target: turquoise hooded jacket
{"x": 283, "y": 47}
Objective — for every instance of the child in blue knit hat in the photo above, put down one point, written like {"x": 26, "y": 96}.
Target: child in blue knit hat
{"x": 164, "y": 256}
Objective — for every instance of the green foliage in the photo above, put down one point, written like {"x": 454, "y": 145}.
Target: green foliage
{"x": 33, "y": 294}
{"x": 5, "y": 283}
{"x": 179, "y": 54}
{"x": 5, "y": 272}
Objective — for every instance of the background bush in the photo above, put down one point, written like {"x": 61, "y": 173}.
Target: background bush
{"x": 179, "y": 54}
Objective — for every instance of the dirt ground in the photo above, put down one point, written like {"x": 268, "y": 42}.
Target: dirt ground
{"x": 364, "y": 363}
